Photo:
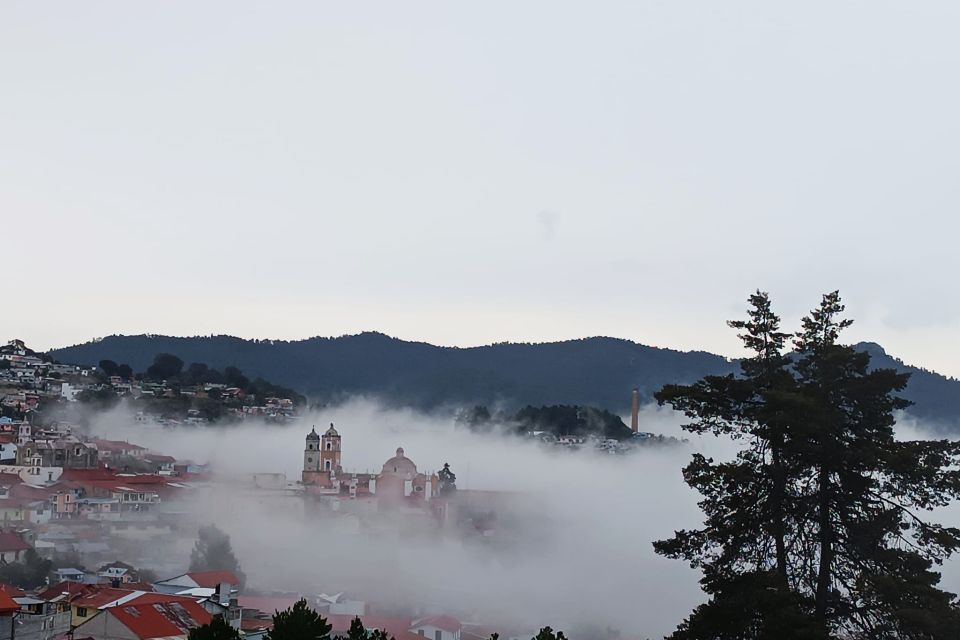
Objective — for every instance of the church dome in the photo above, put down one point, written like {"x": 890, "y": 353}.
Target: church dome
{"x": 331, "y": 432}
{"x": 313, "y": 434}
{"x": 400, "y": 465}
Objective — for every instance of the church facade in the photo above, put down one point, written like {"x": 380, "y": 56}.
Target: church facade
{"x": 399, "y": 481}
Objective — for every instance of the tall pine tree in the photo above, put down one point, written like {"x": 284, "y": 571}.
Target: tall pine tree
{"x": 816, "y": 525}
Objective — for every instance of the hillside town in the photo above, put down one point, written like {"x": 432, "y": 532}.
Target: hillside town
{"x": 95, "y": 533}
{"x": 31, "y": 381}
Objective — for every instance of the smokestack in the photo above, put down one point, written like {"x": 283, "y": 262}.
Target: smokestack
{"x": 635, "y": 410}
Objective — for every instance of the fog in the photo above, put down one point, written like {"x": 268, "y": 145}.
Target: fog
{"x": 575, "y": 552}
{"x": 578, "y": 550}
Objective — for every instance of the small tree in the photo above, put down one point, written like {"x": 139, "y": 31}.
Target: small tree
{"x": 213, "y": 552}
{"x": 299, "y": 622}
{"x": 547, "y": 634}
{"x": 356, "y": 632}
{"x": 216, "y": 629}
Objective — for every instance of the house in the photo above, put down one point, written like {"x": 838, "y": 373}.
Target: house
{"x": 113, "y": 448}
{"x": 161, "y": 464}
{"x": 117, "y": 573}
{"x": 11, "y": 509}
{"x": 169, "y": 620}
{"x": 69, "y": 574}
{"x": 68, "y": 452}
{"x": 87, "y": 605}
{"x": 12, "y": 547}
{"x": 59, "y": 596}
{"x": 437, "y": 628}
{"x": 208, "y": 579}
{"x": 8, "y": 610}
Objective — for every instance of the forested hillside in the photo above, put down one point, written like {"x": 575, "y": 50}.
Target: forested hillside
{"x": 592, "y": 371}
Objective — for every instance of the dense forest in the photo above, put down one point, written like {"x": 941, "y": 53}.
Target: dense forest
{"x": 596, "y": 372}
{"x": 557, "y": 420}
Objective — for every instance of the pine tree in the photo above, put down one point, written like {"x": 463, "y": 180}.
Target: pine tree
{"x": 869, "y": 547}
{"x": 213, "y": 552}
{"x": 815, "y": 529}
{"x": 216, "y": 629}
{"x": 299, "y": 622}
{"x": 356, "y": 631}
{"x": 747, "y": 501}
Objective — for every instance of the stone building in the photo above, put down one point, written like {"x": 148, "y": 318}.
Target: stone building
{"x": 399, "y": 479}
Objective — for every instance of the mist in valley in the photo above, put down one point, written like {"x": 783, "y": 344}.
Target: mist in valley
{"x": 572, "y": 547}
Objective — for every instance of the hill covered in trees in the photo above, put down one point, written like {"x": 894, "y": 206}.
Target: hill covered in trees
{"x": 596, "y": 372}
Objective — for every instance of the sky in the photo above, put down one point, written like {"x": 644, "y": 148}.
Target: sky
{"x": 465, "y": 173}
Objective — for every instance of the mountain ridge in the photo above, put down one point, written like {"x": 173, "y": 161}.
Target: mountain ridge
{"x": 598, "y": 371}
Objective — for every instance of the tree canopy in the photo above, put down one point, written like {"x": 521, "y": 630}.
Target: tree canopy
{"x": 213, "y": 552}
{"x": 299, "y": 622}
{"x": 216, "y": 629}
{"x": 817, "y": 528}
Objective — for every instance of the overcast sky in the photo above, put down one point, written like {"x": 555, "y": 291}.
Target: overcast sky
{"x": 463, "y": 173}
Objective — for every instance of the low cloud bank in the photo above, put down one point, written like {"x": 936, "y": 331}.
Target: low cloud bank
{"x": 574, "y": 552}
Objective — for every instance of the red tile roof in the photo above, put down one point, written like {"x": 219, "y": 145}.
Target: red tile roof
{"x": 7, "y": 603}
{"x": 107, "y": 596}
{"x": 253, "y": 624}
{"x": 267, "y": 604}
{"x": 12, "y": 591}
{"x": 88, "y": 474}
{"x": 9, "y": 541}
{"x": 65, "y": 591}
{"x": 28, "y": 492}
{"x": 397, "y": 627}
{"x": 211, "y": 579}
{"x": 161, "y": 619}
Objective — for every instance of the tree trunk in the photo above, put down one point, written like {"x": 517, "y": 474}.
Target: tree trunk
{"x": 779, "y": 529}
{"x": 826, "y": 545}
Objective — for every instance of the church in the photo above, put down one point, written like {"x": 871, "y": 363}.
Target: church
{"x": 398, "y": 482}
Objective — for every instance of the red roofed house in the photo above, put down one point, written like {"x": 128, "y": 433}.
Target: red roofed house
{"x": 207, "y": 579}
{"x": 437, "y": 628}
{"x": 110, "y": 448}
{"x": 12, "y": 547}
{"x": 8, "y": 608}
{"x": 63, "y": 593}
{"x": 144, "y": 621}
{"x": 87, "y": 606}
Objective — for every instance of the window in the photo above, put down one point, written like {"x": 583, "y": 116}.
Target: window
{"x": 327, "y": 465}
{"x": 420, "y": 631}
{"x": 81, "y": 612}
{"x": 309, "y": 459}
{"x": 310, "y": 447}
{"x": 329, "y": 445}
{"x": 438, "y": 635}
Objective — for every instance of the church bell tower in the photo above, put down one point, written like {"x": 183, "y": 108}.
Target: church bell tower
{"x": 311, "y": 452}
{"x": 330, "y": 451}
